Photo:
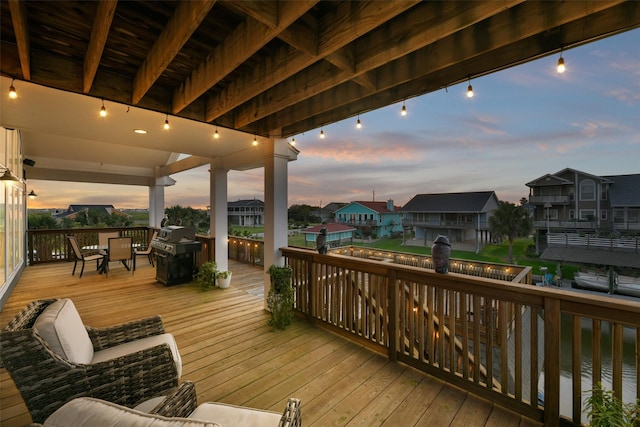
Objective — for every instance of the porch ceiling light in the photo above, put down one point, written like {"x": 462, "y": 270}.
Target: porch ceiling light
{"x": 166, "y": 122}
{"x": 321, "y": 133}
{"x": 103, "y": 111}
{"x": 8, "y": 176}
{"x": 216, "y": 135}
{"x": 561, "y": 67}
{"x": 359, "y": 123}
{"x": 469, "y": 89}
{"x": 12, "y": 91}
{"x": 404, "y": 109}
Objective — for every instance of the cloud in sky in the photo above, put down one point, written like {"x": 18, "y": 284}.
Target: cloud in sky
{"x": 522, "y": 123}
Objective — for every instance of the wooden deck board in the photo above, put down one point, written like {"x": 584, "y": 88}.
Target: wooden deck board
{"x": 233, "y": 356}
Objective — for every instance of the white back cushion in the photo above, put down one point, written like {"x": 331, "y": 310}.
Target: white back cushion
{"x": 90, "y": 412}
{"x": 62, "y": 329}
{"x": 231, "y": 415}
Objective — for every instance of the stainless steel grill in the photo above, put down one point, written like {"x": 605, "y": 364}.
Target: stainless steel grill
{"x": 174, "y": 248}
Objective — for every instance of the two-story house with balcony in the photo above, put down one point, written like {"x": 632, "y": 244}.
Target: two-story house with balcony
{"x": 462, "y": 217}
{"x": 246, "y": 212}
{"x": 575, "y": 202}
{"x": 374, "y": 219}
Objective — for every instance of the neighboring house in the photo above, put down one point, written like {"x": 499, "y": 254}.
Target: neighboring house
{"x": 246, "y": 212}
{"x": 73, "y": 211}
{"x": 337, "y": 234}
{"x": 375, "y": 219}
{"x": 327, "y": 213}
{"x": 572, "y": 201}
{"x": 459, "y": 216}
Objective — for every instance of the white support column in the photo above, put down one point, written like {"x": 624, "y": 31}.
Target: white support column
{"x": 275, "y": 205}
{"x": 218, "y": 214}
{"x": 156, "y": 205}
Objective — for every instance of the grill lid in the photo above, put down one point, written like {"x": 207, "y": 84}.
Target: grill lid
{"x": 176, "y": 234}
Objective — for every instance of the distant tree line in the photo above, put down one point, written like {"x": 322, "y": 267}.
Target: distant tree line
{"x": 93, "y": 218}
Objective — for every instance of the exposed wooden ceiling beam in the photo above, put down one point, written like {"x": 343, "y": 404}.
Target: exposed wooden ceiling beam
{"x": 186, "y": 19}
{"x": 239, "y": 46}
{"x": 348, "y": 99}
{"x": 21, "y": 31}
{"x": 99, "y": 33}
{"x": 411, "y": 35}
{"x": 336, "y": 30}
{"x": 265, "y": 12}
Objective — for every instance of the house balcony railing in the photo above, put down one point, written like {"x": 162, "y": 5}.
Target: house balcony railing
{"x": 360, "y": 222}
{"x": 554, "y": 200}
{"x": 434, "y": 322}
{"x": 630, "y": 244}
{"x": 568, "y": 224}
{"x": 467, "y": 225}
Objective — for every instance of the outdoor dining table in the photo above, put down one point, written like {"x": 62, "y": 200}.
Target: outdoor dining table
{"x": 105, "y": 250}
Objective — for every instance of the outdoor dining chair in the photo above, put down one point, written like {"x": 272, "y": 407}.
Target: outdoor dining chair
{"x": 103, "y": 240}
{"x": 149, "y": 250}
{"x": 79, "y": 256}
{"x": 120, "y": 249}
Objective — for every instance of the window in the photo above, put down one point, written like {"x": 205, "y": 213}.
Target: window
{"x": 587, "y": 190}
{"x": 603, "y": 214}
{"x": 572, "y": 214}
{"x": 587, "y": 214}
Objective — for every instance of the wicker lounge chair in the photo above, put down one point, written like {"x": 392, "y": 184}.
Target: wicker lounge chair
{"x": 51, "y": 371}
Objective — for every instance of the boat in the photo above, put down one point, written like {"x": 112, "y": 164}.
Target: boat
{"x": 623, "y": 285}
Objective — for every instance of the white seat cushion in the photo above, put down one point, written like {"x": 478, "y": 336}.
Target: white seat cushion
{"x": 137, "y": 345}
{"x": 90, "y": 412}
{"x": 61, "y": 327}
{"x": 231, "y": 415}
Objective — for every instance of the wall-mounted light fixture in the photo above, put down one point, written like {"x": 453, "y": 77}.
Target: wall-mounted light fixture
{"x": 32, "y": 194}
{"x": 8, "y": 176}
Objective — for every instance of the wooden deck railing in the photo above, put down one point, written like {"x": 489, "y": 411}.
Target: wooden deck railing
{"x": 434, "y": 323}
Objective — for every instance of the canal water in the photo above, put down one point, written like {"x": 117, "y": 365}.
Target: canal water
{"x": 629, "y": 391}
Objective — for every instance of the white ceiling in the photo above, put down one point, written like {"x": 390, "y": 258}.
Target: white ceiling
{"x": 69, "y": 141}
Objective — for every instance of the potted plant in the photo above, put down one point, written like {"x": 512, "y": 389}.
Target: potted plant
{"x": 207, "y": 275}
{"x": 224, "y": 279}
{"x": 280, "y": 297}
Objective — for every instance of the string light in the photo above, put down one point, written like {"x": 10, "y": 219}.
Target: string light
{"x": 166, "y": 123}
{"x": 469, "y": 89}
{"x": 216, "y": 135}
{"x": 103, "y": 111}
{"x": 561, "y": 67}
{"x": 12, "y": 91}
{"x": 293, "y": 141}
{"x": 321, "y": 133}
{"x": 404, "y": 109}
{"x": 358, "y": 123}
{"x": 255, "y": 140}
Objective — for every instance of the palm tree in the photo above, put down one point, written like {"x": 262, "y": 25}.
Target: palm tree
{"x": 510, "y": 221}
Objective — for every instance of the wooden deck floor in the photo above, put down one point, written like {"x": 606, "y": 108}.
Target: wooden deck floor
{"x": 233, "y": 356}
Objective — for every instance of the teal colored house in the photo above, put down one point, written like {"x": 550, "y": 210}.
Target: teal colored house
{"x": 372, "y": 219}
{"x": 337, "y": 234}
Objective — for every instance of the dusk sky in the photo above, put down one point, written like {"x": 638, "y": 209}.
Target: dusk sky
{"x": 522, "y": 123}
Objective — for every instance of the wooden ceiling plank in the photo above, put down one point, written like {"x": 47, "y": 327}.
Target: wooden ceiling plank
{"x": 534, "y": 16}
{"x": 239, "y": 46}
{"x": 186, "y": 19}
{"x": 249, "y": 86}
{"x": 442, "y": 60}
{"x": 265, "y": 12}
{"x": 21, "y": 31}
{"x": 99, "y": 33}
{"x": 302, "y": 35}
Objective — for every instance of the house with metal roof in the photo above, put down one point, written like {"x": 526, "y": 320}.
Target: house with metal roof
{"x": 371, "y": 219}
{"x": 337, "y": 234}
{"x": 73, "y": 211}
{"x": 462, "y": 217}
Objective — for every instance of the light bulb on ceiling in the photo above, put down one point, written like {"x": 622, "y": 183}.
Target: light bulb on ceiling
{"x": 321, "y": 133}
{"x": 216, "y": 135}
{"x": 103, "y": 111}
{"x": 469, "y": 89}
{"x": 561, "y": 67}
{"x": 12, "y": 91}
{"x": 255, "y": 140}
{"x": 293, "y": 141}
{"x": 166, "y": 122}
{"x": 358, "y": 123}
{"x": 404, "y": 109}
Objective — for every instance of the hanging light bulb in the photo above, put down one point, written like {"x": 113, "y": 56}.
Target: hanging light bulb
{"x": 166, "y": 122}
{"x": 404, "y": 109}
{"x": 561, "y": 67}
{"x": 469, "y": 89}
{"x": 255, "y": 140}
{"x": 216, "y": 135}
{"x": 103, "y": 111}
{"x": 12, "y": 91}
{"x": 321, "y": 133}
{"x": 358, "y": 123}
{"x": 293, "y": 141}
